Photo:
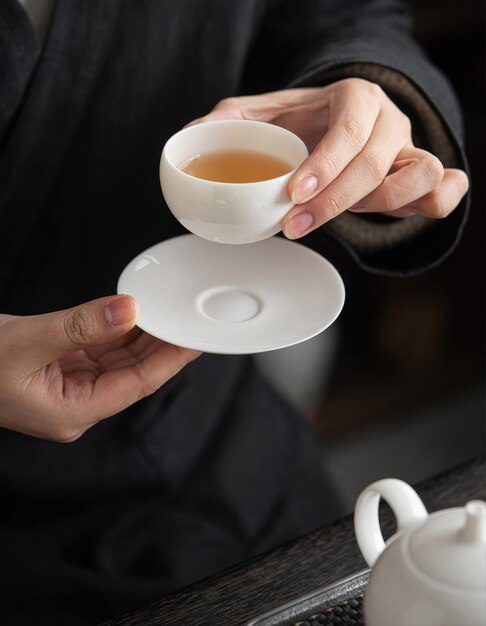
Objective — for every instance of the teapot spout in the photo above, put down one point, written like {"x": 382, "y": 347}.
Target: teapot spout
{"x": 474, "y": 530}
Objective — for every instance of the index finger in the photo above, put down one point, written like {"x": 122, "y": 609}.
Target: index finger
{"x": 352, "y": 117}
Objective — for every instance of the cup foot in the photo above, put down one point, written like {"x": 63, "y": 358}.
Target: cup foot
{"x": 227, "y": 304}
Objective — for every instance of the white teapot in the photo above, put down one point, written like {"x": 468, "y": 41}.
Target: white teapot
{"x": 432, "y": 572}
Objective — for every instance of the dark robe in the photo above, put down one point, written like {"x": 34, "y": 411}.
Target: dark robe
{"x": 214, "y": 467}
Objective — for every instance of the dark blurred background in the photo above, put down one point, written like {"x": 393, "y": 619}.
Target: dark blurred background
{"x": 402, "y": 392}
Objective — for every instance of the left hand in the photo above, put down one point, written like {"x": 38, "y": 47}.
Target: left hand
{"x": 362, "y": 157}
{"x": 62, "y": 372}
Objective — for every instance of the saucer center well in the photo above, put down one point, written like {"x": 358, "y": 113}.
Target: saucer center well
{"x": 227, "y": 304}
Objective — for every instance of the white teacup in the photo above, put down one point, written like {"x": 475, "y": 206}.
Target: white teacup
{"x": 233, "y": 213}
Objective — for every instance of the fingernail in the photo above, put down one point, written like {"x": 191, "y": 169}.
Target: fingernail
{"x": 304, "y": 189}
{"x": 298, "y": 224}
{"x": 120, "y": 311}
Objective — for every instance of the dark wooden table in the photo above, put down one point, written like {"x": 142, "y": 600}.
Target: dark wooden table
{"x": 236, "y": 595}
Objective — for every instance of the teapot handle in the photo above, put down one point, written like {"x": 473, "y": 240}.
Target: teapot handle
{"x": 405, "y": 504}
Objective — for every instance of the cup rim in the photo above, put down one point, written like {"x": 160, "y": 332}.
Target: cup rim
{"x": 187, "y": 129}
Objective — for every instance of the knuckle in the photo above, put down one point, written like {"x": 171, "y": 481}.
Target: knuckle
{"x": 366, "y": 88}
{"x": 405, "y": 124}
{"x": 227, "y": 103}
{"x": 345, "y": 84}
{"x": 146, "y": 387}
{"x": 146, "y": 390}
{"x": 435, "y": 208}
{"x": 374, "y": 90}
{"x": 375, "y": 167}
{"x": 463, "y": 185}
{"x": 433, "y": 170}
{"x": 388, "y": 200}
{"x": 333, "y": 206}
{"x": 353, "y": 83}
{"x": 353, "y": 131}
{"x": 79, "y": 327}
{"x": 329, "y": 165}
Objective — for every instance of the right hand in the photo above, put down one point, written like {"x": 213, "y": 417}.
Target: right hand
{"x": 62, "y": 372}
{"x": 362, "y": 156}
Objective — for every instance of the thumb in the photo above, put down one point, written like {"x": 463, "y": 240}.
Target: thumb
{"x": 48, "y": 337}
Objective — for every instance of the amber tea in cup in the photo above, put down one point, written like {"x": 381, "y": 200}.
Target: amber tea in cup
{"x": 236, "y": 166}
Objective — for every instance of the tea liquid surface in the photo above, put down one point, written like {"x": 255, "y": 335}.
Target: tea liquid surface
{"x": 235, "y": 166}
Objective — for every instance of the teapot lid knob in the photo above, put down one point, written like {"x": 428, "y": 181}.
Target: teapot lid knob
{"x": 475, "y": 527}
{"x": 451, "y": 547}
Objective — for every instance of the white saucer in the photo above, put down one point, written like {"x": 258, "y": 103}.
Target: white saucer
{"x": 229, "y": 299}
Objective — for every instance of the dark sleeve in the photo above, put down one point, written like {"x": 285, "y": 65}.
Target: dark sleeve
{"x": 316, "y": 42}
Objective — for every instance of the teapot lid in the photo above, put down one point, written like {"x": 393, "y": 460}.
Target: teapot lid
{"x": 450, "y": 546}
